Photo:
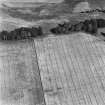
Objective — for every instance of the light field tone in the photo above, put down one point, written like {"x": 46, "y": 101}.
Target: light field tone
{"x": 72, "y": 69}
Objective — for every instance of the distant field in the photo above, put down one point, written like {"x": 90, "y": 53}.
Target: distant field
{"x": 93, "y": 3}
{"x": 43, "y": 13}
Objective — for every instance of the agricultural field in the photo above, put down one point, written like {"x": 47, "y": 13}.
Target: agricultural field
{"x": 20, "y": 82}
{"x": 72, "y": 68}
{"x": 53, "y": 70}
{"x": 61, "y": 70}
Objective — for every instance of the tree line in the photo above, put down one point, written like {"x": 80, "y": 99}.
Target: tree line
{"x": 89, "y": 26}
{"x": 21, "y": 33}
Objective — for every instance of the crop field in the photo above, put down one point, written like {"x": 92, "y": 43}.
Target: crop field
{"x": 20, "y": 82}
{"x": 54, "y": 70}
{"x": 72, "y": 69}
{"x": 61, "y": 70}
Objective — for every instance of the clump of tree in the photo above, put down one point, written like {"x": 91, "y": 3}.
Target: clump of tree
{"x": 100, "y": 23}
{"x": 89, "y": 26}
{"x": 21, "y": 33}
{"x": 94, "y": 10}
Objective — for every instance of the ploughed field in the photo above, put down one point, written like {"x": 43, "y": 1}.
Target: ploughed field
{"x": 55, "y": 70}
{"x": 19, "y": 75}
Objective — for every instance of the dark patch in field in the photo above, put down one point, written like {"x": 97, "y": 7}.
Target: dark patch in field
{"x": 17, "y": 95}
{"x": 37, "y": 95}
{"x": 12, "y": 94}
{"x": 21, "y": 71}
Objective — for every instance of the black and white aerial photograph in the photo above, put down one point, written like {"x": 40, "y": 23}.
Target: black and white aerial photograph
{"x": 52, "y": 52}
